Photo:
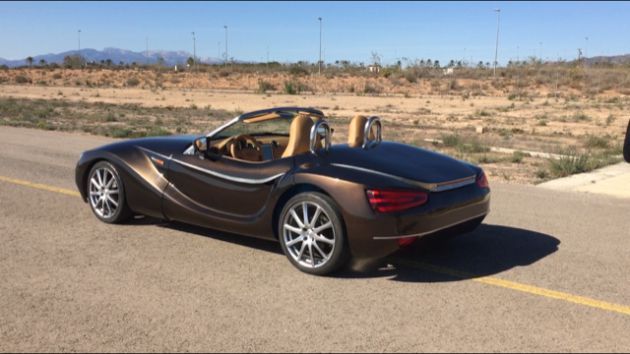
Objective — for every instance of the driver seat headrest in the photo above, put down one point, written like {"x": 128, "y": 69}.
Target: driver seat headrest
{"x": 299, "y": 136}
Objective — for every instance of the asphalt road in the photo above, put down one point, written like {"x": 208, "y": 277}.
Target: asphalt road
{"x": 548, "y": 271}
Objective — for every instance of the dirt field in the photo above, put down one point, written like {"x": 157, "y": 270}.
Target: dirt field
{"x": 587, "y": 129}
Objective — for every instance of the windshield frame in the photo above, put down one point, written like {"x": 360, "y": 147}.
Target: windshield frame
{"x": 245, "y": 116}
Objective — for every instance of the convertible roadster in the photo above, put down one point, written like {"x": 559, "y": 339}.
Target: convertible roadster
{"x": 273, "y": 174}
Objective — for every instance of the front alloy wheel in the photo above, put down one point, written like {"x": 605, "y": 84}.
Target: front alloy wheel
{"x": 106, "y": 193}
{"x": 311, "y": 234}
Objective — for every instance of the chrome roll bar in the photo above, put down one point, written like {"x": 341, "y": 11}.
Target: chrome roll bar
{"x": 368, "y": 127}
{"x": 321, "y": 124}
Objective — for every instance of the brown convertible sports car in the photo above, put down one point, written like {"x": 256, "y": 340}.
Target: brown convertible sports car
{"x": 273, "y": 174}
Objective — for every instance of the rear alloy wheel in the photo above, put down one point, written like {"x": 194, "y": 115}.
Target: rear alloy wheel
{"x": 312, "y": 235}
{"x": 106, "y": 194}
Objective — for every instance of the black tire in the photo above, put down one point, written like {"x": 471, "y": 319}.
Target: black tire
{"x": 339, "y": 254}
{"x": 121, "y": 212}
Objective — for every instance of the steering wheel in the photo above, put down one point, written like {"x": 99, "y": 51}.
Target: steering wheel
{"x": 241, "y": 142}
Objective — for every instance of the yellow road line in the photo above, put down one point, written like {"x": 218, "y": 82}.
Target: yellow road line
{"x": 534, "y": 290}
{"x": 44, "y": 187}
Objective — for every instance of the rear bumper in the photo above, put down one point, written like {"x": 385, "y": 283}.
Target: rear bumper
{"x": 434, "y": 229}
{"x": 377, "y": 235}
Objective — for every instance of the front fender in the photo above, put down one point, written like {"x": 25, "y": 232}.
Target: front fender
{"x": 143, "y": 182}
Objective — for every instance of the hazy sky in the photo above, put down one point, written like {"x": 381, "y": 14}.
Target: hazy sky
{"x": 351, "y": 30}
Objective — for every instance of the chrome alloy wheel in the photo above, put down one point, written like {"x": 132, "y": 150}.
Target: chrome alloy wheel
{"x": 104, "y": 193}
{"x": 309, "y": 235}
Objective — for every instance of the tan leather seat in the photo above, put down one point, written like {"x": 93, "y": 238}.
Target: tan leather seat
{"x": 356, "y": 131}
{"x": 299, "y": 136}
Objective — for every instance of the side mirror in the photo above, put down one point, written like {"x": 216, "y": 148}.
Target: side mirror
{"x": 203, "y": 149}
{"x": 201, "y": 145}
{"x": 626, "y": 145}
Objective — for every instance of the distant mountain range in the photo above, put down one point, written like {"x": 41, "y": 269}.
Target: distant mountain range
{"x": 116, "y": 55}
{"x": 612, "y": 59}
{"x": 171, "y": 58}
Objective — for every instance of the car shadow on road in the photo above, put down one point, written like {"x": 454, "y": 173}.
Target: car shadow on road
{"x": 489, "y": 250}
{"x": 241, "y": 240}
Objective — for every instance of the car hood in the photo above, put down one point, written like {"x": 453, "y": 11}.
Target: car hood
{"x": 403, "y": 161}
{"x": 165, "y": 145}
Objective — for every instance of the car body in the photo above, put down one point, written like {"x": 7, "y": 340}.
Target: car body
{"x": 195, "y": 180}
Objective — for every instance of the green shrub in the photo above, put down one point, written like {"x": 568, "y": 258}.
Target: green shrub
{"x": 517, "y": 157}
{"x": 570, "y": 163}
{"x": 464, "y": 145}
{"x": 597, "y": 142}
{"x": 368, "y": 89}
{"x": 290, "y": 88}
{"x": 21, "y": 79}
{"x": 264, "y": 86}
{"x": 581, "y": 117}
{"x": 297, "y": 70}
{"x": 133, "y": 82}
{"x": 452, "y": 140}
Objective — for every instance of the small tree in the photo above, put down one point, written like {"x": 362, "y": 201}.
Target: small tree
{"x": 42, "y": 62}
{"x": 29, "y": 61}
{"x": 190, "y": 62}
{"x": 73, "y": 61}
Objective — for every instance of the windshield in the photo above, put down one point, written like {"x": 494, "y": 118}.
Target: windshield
{"x": 270, "y": 127}
{"x": 274, "y": 123}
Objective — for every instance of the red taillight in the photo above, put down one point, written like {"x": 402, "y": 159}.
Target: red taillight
{"x": 406, "y": 241}
{"x": 391, "y": 200}
{"x": 482, "y": 180}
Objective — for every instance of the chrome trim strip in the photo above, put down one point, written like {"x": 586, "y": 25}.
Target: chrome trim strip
{"x": 218, "y": 174}
{"x": 445, "y": 186}
{"x": 430, "y": 231}
{"x": 433, "y": 187}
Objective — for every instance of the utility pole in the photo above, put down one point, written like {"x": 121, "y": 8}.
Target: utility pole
{"x": 79, "y": 36}
{"x": 320, "y": 46}
{"x": 194, "y": 52}
{"x": 586, "y": 78}
{"x": 496, "y": 48}
{"x": 585, "y": 52}
{"x": 226, "y": 44}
